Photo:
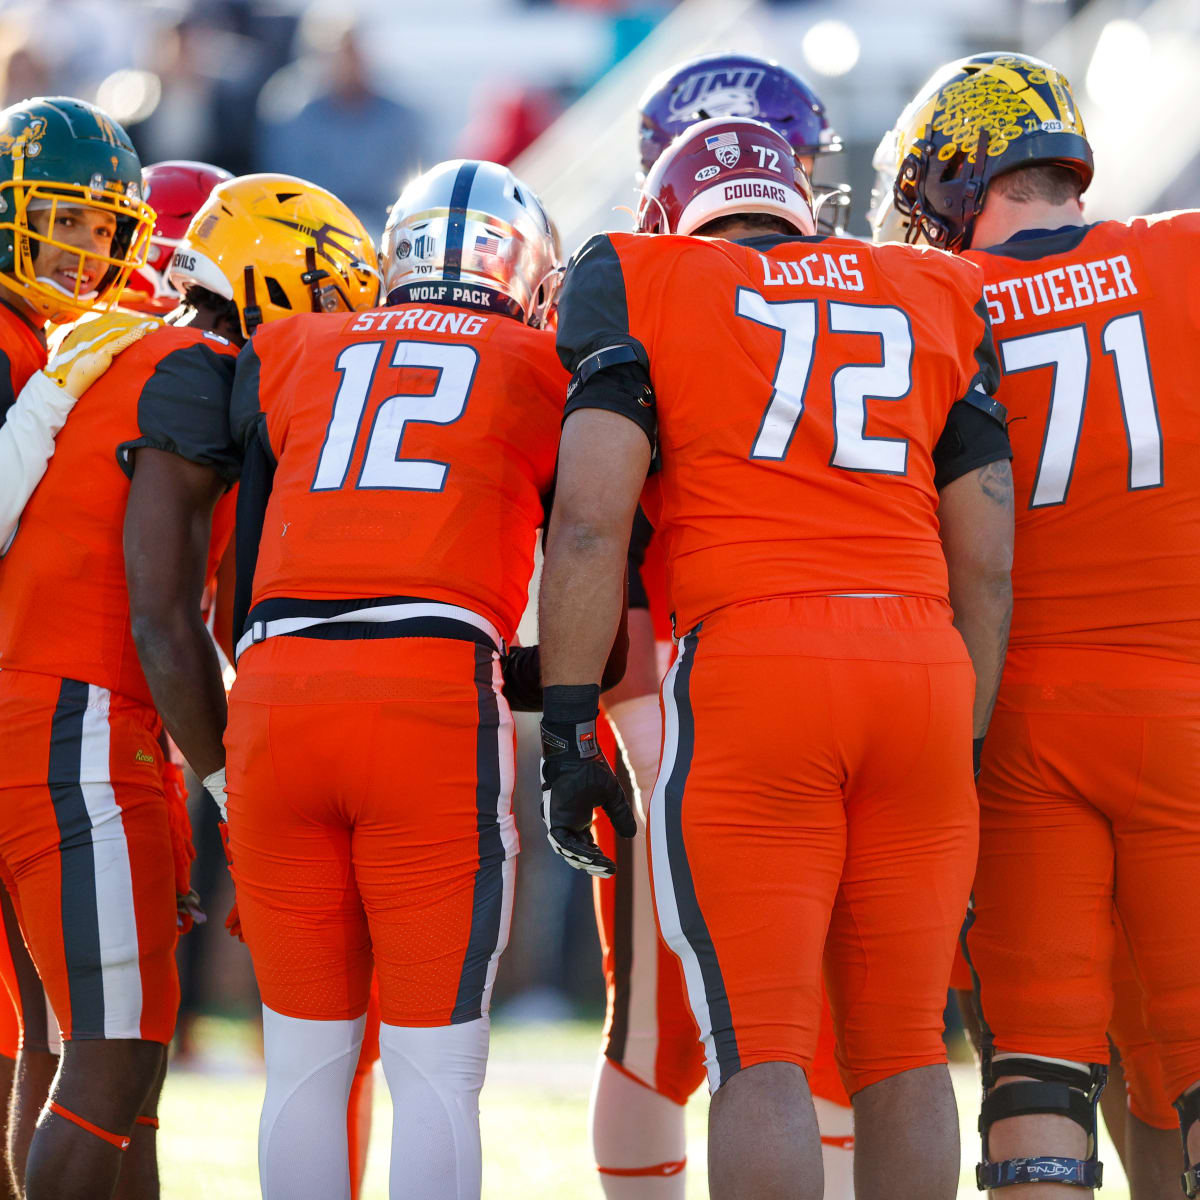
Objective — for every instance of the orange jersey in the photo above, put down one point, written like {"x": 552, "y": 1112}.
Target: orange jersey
{"x": 1098, "y": 334}
{"x": 414, "y": 448}
{"x": 22, "y": 351}
{"x": 801, "y": 385}
{"x": 64, "y": 608}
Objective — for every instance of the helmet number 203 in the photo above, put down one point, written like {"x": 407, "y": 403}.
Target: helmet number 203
{"x": 382, "y": 466}
{"x": 850, "y": 385}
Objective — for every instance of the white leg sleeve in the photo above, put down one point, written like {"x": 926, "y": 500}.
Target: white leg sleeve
{"x": 638, "y": 1139}
{"x": 302, "y": 1152}
{"x": 836, "y": 1122}
{"x": 638, "y": 726}
{"x": 434, "y": 1076}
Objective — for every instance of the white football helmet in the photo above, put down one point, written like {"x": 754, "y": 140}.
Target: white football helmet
{"x": 471, "y": 231}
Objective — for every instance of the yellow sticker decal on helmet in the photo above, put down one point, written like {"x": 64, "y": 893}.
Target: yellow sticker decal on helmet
{"x": 1004, "y": 100}
{"x": 25, "y": 143}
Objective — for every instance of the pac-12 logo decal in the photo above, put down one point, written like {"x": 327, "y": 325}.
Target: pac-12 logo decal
{"x": 720, "y": 93}
{"x": 725, "y": 147}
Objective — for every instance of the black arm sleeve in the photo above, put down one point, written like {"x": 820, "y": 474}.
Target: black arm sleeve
{"x": 639, "y": 539}
{"x": 258, "y": 475}
{"x": 971, "y": 439}
{"x": 184, "y": 409}
{"x": 609, "y": 366}
{"x": 245, "y": 409}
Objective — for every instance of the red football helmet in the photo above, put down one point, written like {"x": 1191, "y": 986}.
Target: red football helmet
{"x": 721, "y": 167}
{"x": 179, "y": 189}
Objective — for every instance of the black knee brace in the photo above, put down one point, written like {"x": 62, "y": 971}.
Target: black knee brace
{"x": 1055, "y": 1089}
{"x": 1188, "y": 1108}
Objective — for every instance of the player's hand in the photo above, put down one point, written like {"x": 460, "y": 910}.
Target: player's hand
{"x": 89, "y": 347}
{"x": 188, "y": 912}
{"x": 233, "y": 922}
{"x": 576, "y": 780}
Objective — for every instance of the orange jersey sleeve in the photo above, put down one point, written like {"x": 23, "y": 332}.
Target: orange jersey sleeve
{"x": 64, "y": 608}
{"x": 801, "y": 385}
{"x": 1098, "y": 333}
{"x": 414, "y": 448}
{"x": 22, "y": 351}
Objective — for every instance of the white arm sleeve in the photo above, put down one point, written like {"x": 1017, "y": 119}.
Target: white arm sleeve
{"x": 26, "y": 444}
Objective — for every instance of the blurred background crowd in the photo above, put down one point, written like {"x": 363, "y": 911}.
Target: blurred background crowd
{"x": 359, "y": 95}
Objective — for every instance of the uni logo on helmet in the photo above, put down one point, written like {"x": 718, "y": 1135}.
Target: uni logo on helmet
{"x": 720, "y": 92}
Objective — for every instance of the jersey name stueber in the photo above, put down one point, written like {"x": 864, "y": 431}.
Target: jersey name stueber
{"x": 752, "y": 190}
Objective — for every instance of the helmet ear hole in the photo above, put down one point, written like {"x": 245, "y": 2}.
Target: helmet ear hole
{"x": 276, "y": 293}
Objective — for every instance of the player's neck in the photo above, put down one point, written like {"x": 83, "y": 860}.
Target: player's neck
{"x": 202, "y": 319}
{"x": 1002, "y": 218}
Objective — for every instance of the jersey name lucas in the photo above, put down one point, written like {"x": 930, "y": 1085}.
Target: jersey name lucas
{"x": 818, "y": 269}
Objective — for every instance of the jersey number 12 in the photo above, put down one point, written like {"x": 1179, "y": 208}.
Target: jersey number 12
{"x": 382, "y": 466}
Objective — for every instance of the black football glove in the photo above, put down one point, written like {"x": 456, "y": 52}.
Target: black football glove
{"x": 576, "y": 779}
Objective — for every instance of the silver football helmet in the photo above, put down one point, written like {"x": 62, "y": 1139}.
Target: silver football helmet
{"x": 467, "y": 227}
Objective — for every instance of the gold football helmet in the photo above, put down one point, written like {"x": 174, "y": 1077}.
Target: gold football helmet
{"x": 276, "y": 245}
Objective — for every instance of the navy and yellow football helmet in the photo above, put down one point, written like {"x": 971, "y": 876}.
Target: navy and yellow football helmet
{"x": 977, "y": 118}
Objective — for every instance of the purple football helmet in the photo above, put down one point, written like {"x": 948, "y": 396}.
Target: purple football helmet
{"x": 740, "y": 85}
{"x": 732, "y": 85}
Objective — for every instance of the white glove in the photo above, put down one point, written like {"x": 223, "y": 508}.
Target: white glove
{"x": 214, "y": 785}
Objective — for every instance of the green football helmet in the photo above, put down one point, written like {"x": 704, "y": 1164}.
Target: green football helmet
{"x": 58, "y": 155}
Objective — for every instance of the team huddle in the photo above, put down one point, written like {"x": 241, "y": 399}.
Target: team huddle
{"x": 871, "y": 566}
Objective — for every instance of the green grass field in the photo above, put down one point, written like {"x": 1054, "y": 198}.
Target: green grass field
{"x": 535, "y": 1136}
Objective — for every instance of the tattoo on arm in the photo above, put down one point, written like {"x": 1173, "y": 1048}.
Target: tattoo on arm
{"x": 996, "y": 481}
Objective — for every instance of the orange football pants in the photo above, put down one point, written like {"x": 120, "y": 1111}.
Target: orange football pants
{"x": 1087, "y": 798}
{"x": 649, "y": 1033}
{"x": 814, "y": 808}
{"x": 85, "y": 852}
{"x": 370, "y": 824}
{"x": 1145, "y": 1090}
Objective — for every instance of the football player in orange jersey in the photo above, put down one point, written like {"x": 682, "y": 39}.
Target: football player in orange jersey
{"x": 1086, "y": 790}
{"x": 85, "y": 836}
{"x": 651, "y": 1060}
{"x": 71, "y": 212}
{"x": 396, "y": 464}
{"x": 816, "y": 409}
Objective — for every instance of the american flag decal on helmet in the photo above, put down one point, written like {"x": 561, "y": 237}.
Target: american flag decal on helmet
{"x": 720, "y": 139}
{"x": 487, "y": 245}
